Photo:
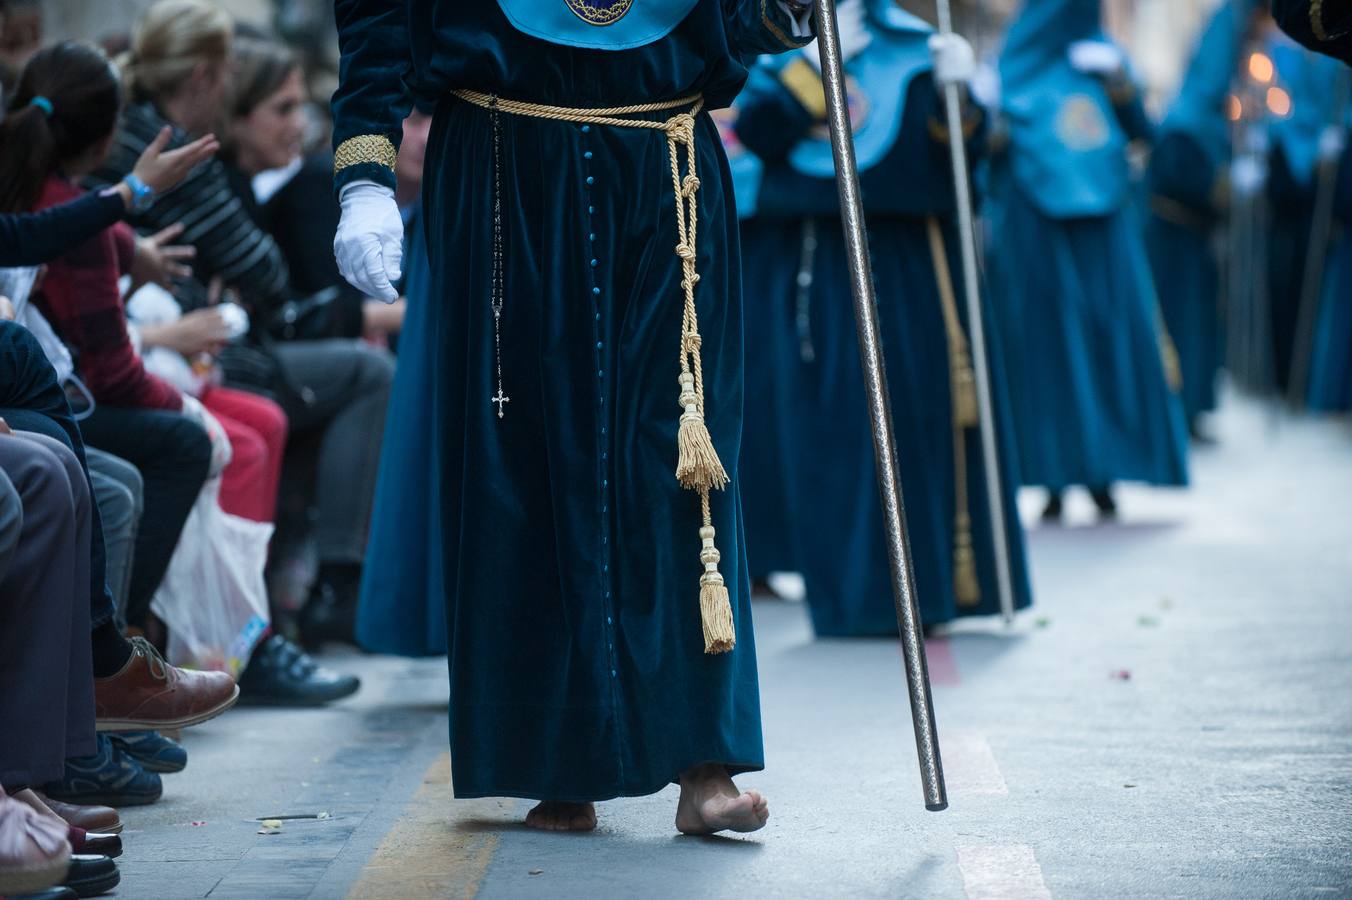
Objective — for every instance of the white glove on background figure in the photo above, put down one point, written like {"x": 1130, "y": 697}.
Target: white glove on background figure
{"x": 852, "y": 19}
{"x": 1332, "y": 142}
{"x": 1096, "y": 57}
{"x": 954, "y": 60}
{"x": 986, "y": 86}
{"x": 369, "y": 245}
{"x": 1248, "y": 175}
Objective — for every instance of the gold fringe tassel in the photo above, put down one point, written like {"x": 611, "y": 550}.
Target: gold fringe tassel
{"x": 1173, "y": 368}
{"x": 715, "y": 606}
{"x": 962, "y": 386}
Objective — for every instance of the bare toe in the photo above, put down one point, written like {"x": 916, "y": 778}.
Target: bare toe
{"x": 723, "y": 813}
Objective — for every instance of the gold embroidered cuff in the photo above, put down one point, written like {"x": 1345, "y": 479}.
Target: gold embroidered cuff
{"x": 364, "y": 148}
{"x": 805, "y": 84}
{"x": 1317, "y": 21}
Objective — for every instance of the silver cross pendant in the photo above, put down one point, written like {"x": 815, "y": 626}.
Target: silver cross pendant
{"x": 501, "y": 400}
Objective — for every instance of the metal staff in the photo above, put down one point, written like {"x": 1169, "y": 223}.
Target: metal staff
{"x": 879, "y": 408}
{"x": 1312, "y": 284}
{"x": 957, "y": 150}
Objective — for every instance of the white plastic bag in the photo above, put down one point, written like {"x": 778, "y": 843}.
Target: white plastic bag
{"x": 214, "y": 599}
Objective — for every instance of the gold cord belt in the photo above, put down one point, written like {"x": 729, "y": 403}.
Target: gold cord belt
{"x": 698, "y": 467}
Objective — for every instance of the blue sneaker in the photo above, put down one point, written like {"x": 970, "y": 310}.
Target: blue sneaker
{"x": 154, "y": 751}
{"x": 108, "y": 778}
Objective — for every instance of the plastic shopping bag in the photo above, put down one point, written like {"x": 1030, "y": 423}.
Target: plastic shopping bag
{"x": 214, "y": 599}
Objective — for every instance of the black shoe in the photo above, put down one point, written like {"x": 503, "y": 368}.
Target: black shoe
{"x": 1103, "y": 499}
{"x": 329, "y": 615}
{"x": 281, "y": 674}
{"x": 91, "y": 876}
{"x": 95, "y": 844}
{"x": 1052, "y": 511}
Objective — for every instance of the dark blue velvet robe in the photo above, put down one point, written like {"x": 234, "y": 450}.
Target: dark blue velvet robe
{"x": 567, "y": 553}
{"x": 1078, "y": 325}
{"x": 815, "y": 402}
{"x": 1330, "y": 384}
{"x": 1180, "y": 239}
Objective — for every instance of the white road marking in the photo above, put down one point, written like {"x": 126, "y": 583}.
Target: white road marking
{"x": 970, "y": 769}
{"x": 1001, "y": 872}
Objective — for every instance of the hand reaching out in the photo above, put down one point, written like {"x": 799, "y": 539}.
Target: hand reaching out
{"x": 159, "y": 261}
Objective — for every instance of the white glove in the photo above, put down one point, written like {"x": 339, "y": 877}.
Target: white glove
{"x": 1332, "y": 141}
{"x": 954, "y": 60}
{"x": 855, "y": 36}
{"x": 986, "y": 86}
{"x": 369, "y": 245}
{"x": 1248, "y": 174}
{"x": 1096, "y": 57}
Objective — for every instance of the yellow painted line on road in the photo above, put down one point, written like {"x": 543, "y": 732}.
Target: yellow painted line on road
{"x": 441, "y": 847}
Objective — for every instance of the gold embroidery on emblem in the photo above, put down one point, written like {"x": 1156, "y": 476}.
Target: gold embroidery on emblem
{"x": 1080, "y": 124}
{"x": 606, "y": 14}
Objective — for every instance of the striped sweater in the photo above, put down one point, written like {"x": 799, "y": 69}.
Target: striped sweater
{"x": 228, "y": 242}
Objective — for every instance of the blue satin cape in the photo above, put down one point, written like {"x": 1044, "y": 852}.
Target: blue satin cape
{"x": 1066, "y": 143}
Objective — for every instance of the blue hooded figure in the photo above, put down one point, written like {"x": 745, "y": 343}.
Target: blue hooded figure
{"x": 819, "y": 512}
{"x": 1330, "y": 382}
{"x": 1188, "y": 185}
{"x": 1079, "y": 322}
{"x": 1294, "y": 161}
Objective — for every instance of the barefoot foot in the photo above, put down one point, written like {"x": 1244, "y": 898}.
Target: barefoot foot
{"x": 710, "y": 802}
{"x": 551, "y": 815}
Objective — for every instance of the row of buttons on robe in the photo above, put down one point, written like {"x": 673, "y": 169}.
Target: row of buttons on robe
{"x": 601, "y": 399}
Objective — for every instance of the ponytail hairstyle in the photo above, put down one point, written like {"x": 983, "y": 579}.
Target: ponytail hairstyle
{"x": 171, "y": 39}
{"x": 67, "y": 101}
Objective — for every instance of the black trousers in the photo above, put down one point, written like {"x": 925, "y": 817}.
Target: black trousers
{"x": 173, "y": 455}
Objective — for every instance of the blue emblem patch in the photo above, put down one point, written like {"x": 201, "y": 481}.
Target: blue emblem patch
{"x": 600, "y": 12}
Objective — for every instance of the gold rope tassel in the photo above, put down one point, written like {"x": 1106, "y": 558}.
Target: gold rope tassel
{"x": 715, "y": 605}
{"x": 962, "y": 387}
{"x": 697, "y": 464}
{"x": 1173, "y": 369}
{"x": 962, "y": 380}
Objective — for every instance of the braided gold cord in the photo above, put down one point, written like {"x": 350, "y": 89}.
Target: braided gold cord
{"x": 364, "y": 148}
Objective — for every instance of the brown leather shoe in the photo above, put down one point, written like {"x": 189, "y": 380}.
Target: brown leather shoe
{"x": 99, "y": 819}
{"x": 148, "y": 693}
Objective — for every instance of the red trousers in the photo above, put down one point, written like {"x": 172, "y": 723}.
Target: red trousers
{"x": 257, "y": 430}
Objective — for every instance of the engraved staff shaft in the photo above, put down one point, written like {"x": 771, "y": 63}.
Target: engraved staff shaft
{"x": 880, "y": 408}
{"x": 990, "y": 457}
